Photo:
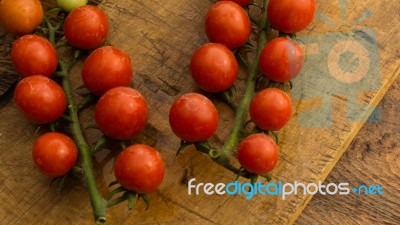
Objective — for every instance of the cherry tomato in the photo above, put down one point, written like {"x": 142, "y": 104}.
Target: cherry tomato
{"x": 281, "y": 59}
{"x": 227, "y": 23}
{"x": 271, "y": 109}
{"x": 40, "y": 99}
{"x": 106, "y": 68}
{"x": 214, "y": 67}
{"x": 20, "y": 16}
{"x": 33, "y": 54}
{"x": 258, "y": 153}
{"x": 121, "y": 113}
{"x": 54, "y": 154}
{"x": 240, "y": 2}
{"x": 290, "y": 16}
{"x": 139, "y": 168}
{"x": 193, "y": 117}
{"x": 69, "y": 5}
{"x": 86, "y": 27}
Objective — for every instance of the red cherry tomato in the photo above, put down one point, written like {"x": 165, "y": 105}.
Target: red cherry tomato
{"x": 105, "y": 68}
{"x": 281, "y": 59}
{"x": 258, "y": 153}
{"x": 86, "y": 27}
{"x": 240, "y": 2}
{"x": 214, "y": 67}
{"x": 40, "y": 99}
{"x": 193, "y": 117}
{"x": 20, "y": 16}
{"x": 227, "y": 23}
{"x": 54, "y": 154}
{"x": 121, "y": 113}
{"x": 290, "y": 16}
{"x": 32, "y": 54}
{"x": 139, "y": 168}
{"x": 271, "y": 109}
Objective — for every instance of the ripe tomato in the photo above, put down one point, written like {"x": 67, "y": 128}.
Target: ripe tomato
{"x": 258, "y": 153}
{"x": 227, "y": 23}
{"x": 20, "y": 16}
{"x": 40, "y": 99}
{"x": 214, "y": 67}
{"x": 139, "y": 168}
{"x": 33, "y": 54}
{"x": 54, "y": 154}
{"x": 69, "y": 5}
{"x": 106, "y": 68}
{"x": 86, "y": 27}
{"x": 193, "y": 117}
{"x": 290, "y": 16}
{"x": 121, "y": 113}
{"x": 270, "y": 109}
{"x": 240, "y": 2}
{"x": 281, "y": 59}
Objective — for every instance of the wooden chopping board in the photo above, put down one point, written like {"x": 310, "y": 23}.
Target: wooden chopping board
{"x": 330, "y": 108}
{"x": 8, "y": 77}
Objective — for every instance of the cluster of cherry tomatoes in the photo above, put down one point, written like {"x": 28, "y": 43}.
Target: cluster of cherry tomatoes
{"x": 214, "y": 68}
{"x": 121, "y": 112}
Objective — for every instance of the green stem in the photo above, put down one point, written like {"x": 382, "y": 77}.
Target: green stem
{"x": 52, "y": 31}
{"x": 241, "y": 112}
{"x": 97, "y": 201}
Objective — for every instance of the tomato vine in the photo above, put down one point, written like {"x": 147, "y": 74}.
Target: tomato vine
{"x": 274, "y": 63}
{"x": 139, "y": 169}
{"x": 223, "y": 155}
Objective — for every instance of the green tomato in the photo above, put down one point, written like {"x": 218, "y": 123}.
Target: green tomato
{"x": 69, "y": 5}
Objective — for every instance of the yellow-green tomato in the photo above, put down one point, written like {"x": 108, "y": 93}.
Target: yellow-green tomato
{"x": 69, "y": 5}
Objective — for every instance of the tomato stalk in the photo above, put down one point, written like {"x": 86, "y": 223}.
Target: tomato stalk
{"x": 96, "y": 199}
{"x": 241, "y": 112}
{"x": 52, "y": 30}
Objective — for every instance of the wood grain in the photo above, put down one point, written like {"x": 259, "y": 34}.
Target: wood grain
{"x": 160, "y": 37}
{"x": 372, "y": 158}
{"x": 8, "y": 76}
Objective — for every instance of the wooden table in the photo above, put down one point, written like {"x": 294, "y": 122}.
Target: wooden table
{"x": 161, "y": 36}
{"x": 372, "y": 158}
